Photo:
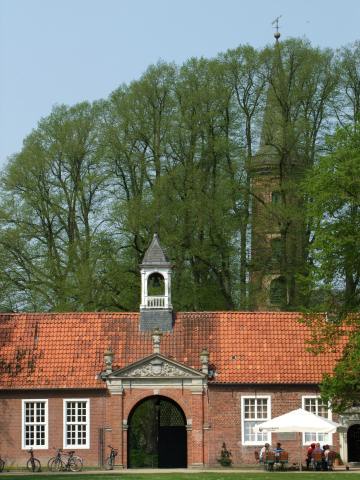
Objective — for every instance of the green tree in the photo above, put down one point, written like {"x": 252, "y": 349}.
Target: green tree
{"x": 302, "y": 84}
{"x": 334, "y": 189}
{"x": 245, "y": 74}
{"x": 53, "y": 220}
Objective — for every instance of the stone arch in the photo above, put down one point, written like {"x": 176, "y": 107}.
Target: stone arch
{"x": 157, "y": 436}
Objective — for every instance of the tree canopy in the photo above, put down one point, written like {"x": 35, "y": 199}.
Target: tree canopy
{"x": 171, "y": 153}
{"x": 334, "y": 210}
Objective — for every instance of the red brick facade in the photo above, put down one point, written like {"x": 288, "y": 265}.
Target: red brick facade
{"x": 213, "y": 417}
{"x": 248, "y": 356}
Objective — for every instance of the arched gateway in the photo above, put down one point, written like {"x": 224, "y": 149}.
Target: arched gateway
{"x": 157, "y": 434}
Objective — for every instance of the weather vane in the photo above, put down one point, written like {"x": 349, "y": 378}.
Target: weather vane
{"x": 276, "y": 25}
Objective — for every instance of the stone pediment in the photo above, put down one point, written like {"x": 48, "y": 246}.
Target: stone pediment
{"x": 156, "y": 366}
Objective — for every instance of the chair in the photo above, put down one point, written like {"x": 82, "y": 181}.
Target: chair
{"x": 257, "y": 456}
{"x": 269, "y": 460}
{"x": 283, "y": 459}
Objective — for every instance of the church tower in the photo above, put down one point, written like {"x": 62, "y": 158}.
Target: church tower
{"x": 156, "y": 307}
{"x": 278, "y": 233}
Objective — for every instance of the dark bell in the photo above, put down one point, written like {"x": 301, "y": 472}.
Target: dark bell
{"x": 156, "y": 279}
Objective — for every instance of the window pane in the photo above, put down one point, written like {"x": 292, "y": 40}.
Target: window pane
{"x": 76, "y": 423}
{"x": 35, "y": 424}
{"x": 318, "y": 407}
{"x": 255, "y": 411}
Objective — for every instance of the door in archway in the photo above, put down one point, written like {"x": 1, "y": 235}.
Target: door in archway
{"x": 157, "y": 435}
{"x": 353, "y": 441}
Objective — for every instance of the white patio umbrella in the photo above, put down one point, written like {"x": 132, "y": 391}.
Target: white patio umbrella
{"x": 298, "y": 421}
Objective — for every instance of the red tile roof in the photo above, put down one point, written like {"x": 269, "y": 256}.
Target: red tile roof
{"x": 65, "y": 350}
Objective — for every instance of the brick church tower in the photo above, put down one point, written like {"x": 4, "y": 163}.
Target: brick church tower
{"x": 278, "y": 233}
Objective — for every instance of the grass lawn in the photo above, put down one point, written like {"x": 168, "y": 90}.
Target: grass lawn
{"x": 187, "y": 476}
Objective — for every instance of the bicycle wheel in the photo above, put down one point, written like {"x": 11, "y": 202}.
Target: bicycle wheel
{"x": 109, "y": 463}
{"x": 2, "y": 465}
{"x": 75, "y": 464}
{"x": 50, "y": 461}
{"x": 33, "y": 465}
{"x": 56, "y": 465}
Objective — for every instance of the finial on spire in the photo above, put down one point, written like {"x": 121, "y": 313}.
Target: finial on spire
{"x": 275, "y": 23}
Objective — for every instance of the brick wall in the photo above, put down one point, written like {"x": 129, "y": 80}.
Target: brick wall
{"x": 11, "y": 425}
{"x": 213, "y": 418}
{"x": 225, "y": 419}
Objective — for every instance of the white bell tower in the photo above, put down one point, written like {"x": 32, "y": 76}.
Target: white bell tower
{"x": 155, "y": 307}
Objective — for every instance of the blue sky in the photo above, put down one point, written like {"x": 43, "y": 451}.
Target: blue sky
{"x": 67, "y": 51}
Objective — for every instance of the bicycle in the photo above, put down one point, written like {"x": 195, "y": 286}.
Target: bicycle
{"x": 110, "y": 461}
{"x": 2, "y": 464}
{"x": 59, "y": 463}
{"x": 33, "y": 464}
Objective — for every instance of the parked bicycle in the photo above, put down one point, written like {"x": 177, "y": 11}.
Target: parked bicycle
{"x": 2, "y": 464}
{"x": 33, "y": 464}
{"x": 65, "y": 461}
{"x": 110, "y": 461}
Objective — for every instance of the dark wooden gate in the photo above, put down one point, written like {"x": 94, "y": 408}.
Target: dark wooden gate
{"x": 353, "y": 441}
{"x": 157, "y": 435}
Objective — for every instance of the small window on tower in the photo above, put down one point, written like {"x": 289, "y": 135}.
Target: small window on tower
{"x": 276, "y": 251}
{"x": 278, "y": 291}
{"x": 275, "y": 197}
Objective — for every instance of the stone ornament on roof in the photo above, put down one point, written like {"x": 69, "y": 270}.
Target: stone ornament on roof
{"x": 157, "y": 368}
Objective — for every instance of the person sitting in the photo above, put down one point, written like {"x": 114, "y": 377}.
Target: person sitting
{"x": 325, "y": 462}
{"x": 317, "y": 456}
{"x": 265, "y": 449}
{"x": 278, "y": 449}
{"x": 309, "y": 455}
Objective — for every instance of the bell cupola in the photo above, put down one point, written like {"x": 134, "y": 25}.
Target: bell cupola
{"x": 155, "y": 307}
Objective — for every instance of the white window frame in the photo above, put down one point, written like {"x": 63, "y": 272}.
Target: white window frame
{"x": 316, "y": 435}
{"x": 87, "y": 423}
{"x": 266, "y": 437}
{"x": 23, "y": 424}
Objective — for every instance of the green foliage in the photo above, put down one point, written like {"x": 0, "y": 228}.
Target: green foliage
{"x": 342, "y": 388}
{"x": 170, "y": 152}
{"x": 334, "y": 210}
{"x": 334, "y": 189}
{"x": 225, "y": 456}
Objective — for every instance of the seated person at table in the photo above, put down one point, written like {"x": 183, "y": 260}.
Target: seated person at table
{"x": 309, "y": 455}
{"x": 278, "y": 449}
{"x": 317, "y": 456}
{"x": 263, "y": 452}
{"x": 326, "y": 451}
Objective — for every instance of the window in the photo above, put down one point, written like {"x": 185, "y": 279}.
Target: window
{"x": 278, "y": 291}
{"x": 316, "y": 405}
{"x": 255, "y": 410}
{"x": 276, "y": 251}
{"x": 275, "y": 197}
{"x": 76, "y": 423}
{"x": 35, "y": 423}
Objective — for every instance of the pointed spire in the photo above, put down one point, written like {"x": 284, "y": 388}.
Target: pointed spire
{"x": 155, "y": 255}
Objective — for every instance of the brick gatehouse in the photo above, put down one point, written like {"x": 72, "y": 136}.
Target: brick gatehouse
{"x": 167, "y": 389}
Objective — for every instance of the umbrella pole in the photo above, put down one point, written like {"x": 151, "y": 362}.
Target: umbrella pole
{"x": 300, "y": 450}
